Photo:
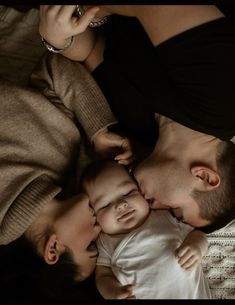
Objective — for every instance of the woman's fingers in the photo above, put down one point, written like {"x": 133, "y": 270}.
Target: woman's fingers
{"x": 84, "y": 21}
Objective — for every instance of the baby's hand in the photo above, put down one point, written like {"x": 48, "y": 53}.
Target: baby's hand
{"x": 188, "y": 255}
{"x": 111, "y": 145}
{"x": 125, "y": 292}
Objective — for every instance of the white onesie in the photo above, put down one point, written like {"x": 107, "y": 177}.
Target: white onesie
{"x": 145, "y": 258}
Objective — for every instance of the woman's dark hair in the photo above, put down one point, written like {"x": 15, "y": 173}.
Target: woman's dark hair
{"x": 25, "y": 278}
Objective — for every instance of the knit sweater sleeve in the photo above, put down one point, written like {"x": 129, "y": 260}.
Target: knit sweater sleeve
{"x": 72, "y": 88}
{"x": 39, "y": 148}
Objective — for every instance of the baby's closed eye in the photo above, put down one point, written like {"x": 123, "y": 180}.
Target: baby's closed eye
{"x": 104, "y": 206}
{"x": 132, "y": 191}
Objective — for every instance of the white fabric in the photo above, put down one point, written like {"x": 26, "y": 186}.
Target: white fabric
{"x": 145, "y": 257}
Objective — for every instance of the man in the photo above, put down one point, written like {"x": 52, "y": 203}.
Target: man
{"x": 181, "y": 72}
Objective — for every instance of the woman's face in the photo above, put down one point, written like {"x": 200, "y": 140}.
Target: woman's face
{"x": 76, "y": 228}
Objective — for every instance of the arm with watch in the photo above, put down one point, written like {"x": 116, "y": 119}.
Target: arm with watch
{"x": 67, "y": 29}
{"x": 63, "y": 31}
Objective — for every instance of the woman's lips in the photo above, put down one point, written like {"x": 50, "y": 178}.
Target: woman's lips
{"x": 125, "y": 215}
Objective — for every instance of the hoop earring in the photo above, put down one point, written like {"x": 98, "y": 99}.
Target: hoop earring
{"x": 93, "y": 24}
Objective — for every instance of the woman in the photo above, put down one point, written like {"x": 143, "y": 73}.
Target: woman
{"x": 41, "y": 139}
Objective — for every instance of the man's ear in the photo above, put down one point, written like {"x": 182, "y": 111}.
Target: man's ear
{"x": 52, "y": 250}
{"x": 208, "y": 178}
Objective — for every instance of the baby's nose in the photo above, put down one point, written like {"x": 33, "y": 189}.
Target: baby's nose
{"x": 121, "y": 205}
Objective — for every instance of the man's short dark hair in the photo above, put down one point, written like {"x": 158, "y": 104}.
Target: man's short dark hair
{"x": 218, "y": 206}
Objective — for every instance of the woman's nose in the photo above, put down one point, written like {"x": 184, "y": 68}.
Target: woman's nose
{"x": 97, "y": 229}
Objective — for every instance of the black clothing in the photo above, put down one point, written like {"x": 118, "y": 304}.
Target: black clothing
{"x": 189, "y": 78}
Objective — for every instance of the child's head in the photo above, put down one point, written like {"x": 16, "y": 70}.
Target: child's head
{"x": 115, "y": 197}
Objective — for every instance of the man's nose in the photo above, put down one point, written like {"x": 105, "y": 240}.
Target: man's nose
{"x": 149, "y": 199}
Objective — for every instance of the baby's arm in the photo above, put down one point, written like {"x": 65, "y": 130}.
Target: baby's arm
{"x": 109, "y": 287}
{"x": 58, "y": 24}
{"x": 193, "y": 248}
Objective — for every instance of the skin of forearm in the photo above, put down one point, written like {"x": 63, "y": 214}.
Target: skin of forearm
{"x": 82, "y": 46}
{"x": 107, "y": 285}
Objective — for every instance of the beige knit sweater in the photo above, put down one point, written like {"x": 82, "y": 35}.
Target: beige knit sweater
{"x": 39, "y": 137}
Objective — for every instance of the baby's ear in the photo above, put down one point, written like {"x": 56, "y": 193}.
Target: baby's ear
{"x": 52, "y": 250}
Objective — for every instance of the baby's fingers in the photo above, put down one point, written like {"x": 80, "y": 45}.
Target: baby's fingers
{"x": 131, "y": 297}
{"x": 125, "y": 292}
{"x": 181, "y": 251}
{"x": 183, "y": 257}
{"x": 190, "y": 263}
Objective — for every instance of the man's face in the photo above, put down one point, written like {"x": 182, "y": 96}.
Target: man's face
{"x": 118, "y": 204}
{"x": 167, "y": 185}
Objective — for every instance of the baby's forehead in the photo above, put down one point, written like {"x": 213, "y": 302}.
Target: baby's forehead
{"x": 116, "y": 169}
{"x": 116, "y": 175}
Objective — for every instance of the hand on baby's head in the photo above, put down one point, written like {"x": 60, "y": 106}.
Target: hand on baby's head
{"x": 113, "y": 146}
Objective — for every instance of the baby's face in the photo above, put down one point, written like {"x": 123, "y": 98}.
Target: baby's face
{"x": 118, "y": 204}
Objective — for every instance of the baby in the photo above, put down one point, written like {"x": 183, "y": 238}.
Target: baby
{"x": 139, "y": 247}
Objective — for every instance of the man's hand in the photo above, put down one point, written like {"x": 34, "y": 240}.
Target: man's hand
{"x": 111, "y": 145}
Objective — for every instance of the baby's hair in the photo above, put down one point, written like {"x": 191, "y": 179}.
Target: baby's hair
{"x": 94, "y": 169}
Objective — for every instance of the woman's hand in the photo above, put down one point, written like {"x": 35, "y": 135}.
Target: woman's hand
{"x": 59, "y": 22}
{"x": 111, "y": 145}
